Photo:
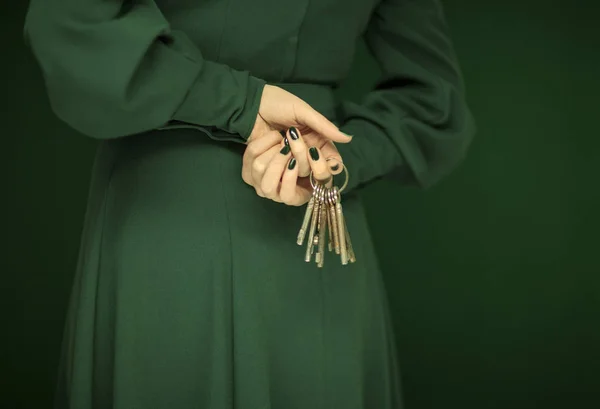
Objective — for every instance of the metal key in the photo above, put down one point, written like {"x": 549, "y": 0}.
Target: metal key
{"x": 307, "y": 218}
{"x": 313, "y": 224}
{"x": 351, "y": 255}
{"x": 322, "y": 227}
{"x": 341, "y": 226}
{"x": 330, "y": 244}
{"x": 324, "y": 221}
{"x": 334, "y": 223}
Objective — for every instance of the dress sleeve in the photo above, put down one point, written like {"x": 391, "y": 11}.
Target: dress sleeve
{"x": 114, "y": 68}
{"x": 415, "y": 124}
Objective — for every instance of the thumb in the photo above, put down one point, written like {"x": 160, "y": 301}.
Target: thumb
{"x": 333, "y": 158}
{"x": 317, "y": 122}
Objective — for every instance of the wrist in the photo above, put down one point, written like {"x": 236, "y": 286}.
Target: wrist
{"x": 253, "y": 102}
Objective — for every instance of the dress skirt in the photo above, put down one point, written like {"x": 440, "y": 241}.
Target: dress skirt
{"x": 191, "y": 293}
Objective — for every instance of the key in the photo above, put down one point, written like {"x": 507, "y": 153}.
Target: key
{"x": 330, "y": 244}
{"x": 322, "y": 228}
{"x": 307, "y": 217}
{"x": 313, "y": 224}
{"x": 351, "y": 255}
{"x": 325, "y": 225}
{"x": 333, "y": 218}
{"x": 340, "y": 221}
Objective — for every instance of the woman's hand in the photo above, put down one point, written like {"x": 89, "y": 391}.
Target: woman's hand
{"x": 280, "y": 109}
{"x": 270, "y": 167}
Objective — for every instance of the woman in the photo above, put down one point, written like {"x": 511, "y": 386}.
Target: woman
{"x": 190, "y": 291}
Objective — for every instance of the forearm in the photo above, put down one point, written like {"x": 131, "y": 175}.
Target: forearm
{"x": 112, "y": 72}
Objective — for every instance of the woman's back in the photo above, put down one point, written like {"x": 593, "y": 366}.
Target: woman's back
{"x": 280, "y": 41}
{"x": 190, "y": 289}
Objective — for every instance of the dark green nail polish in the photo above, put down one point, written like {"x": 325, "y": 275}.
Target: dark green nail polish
{"x": 292, "y": 164}
{"x": 294, "y": 133}
{"x": 285, "y": 150}
{"x": 314, "y": 153}
{"x": 285, "y": 139}
{"x": 335, "y": 167}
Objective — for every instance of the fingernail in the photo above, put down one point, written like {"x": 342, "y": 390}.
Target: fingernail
{"x": 349, "y": 136}
{"x": 292, "y": 164}
{"x": 285, "y": 150}
{"x": 294, "y": 133}
{"x": 335, "y": 167}
{"x": 314, "y": 153}
{"x": 285, "y": 139}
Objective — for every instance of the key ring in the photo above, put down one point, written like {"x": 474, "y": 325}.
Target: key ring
{"x": 313, "y": 183}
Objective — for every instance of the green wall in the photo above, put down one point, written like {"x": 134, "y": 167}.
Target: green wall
{"x": 496, "y": 289}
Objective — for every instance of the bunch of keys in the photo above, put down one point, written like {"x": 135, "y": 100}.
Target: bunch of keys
{"x": 327, "y": 222}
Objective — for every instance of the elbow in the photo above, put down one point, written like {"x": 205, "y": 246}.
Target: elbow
{"x": 80, "y": 113}
{"x": 101, "y": 120}
{"x": 90, "y": 122}
{"x": 100, "y": 132}
{"x": 40, "y": 35}
{"x": 69, "y": 92}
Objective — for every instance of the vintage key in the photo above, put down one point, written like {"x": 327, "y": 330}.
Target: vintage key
{"x": 341, "y": 226}
{"x": 313, "y": 224}
{"x": 307, "y": 218}
{"x": 330, "y": 243}
{"x": 333, "y": 219}
{"x": 324, "y": 219}
{"x": 322, "y": 228}
{"x": 351, "y": 255}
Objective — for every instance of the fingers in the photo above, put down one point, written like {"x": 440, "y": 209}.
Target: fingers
{"x": 318, "y": 164}
{"x": 273, "y": 174}
{"x": 254, "y": 149}
{"x": 287, "y": 192}
{"x": 320, "y": 124}
{"x": 333, "y": 158}
{"x": 277, "y": 167}
{"x": 259, "y": 167}
{"x": 299, "y": 150}
{"x": 291, "y": 192}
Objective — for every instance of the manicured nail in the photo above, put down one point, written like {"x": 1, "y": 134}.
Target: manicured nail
{"x": 314, "y": 153}
{"x": 294, "y": 133}
{"x": 292, "y": 164}
{"x": 285, "y": 150}
{"x": 335, "y": 167}
{"x": 285, "y": 139}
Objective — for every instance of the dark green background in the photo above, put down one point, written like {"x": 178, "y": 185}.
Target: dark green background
{"x": 495, "y": 288}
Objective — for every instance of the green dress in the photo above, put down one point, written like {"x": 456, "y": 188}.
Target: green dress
{"x": 190, "y": 290}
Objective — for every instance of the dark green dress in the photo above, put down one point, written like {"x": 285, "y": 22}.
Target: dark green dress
{"x": 190, "y": 291}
